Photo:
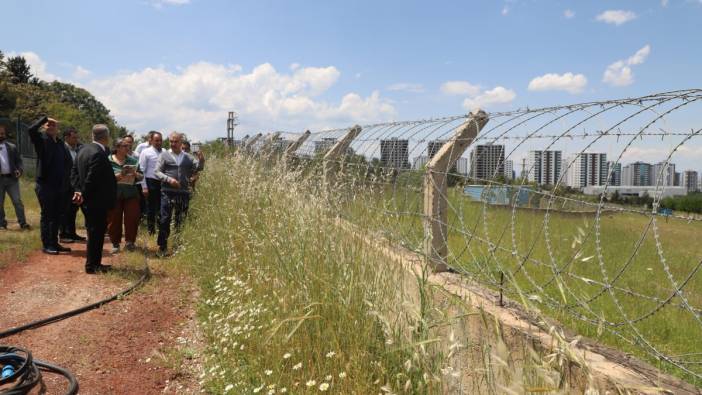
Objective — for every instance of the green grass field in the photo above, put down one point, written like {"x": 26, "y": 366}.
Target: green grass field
{"x": 16, "y": 244}
{"x": 553, "y": 263}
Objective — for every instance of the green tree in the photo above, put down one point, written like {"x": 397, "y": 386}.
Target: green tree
{"x": 19, "y": 69}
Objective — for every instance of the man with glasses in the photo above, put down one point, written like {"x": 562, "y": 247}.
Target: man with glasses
{"x": 176, "y": 169}
{"x": 67, "y": 232}
{"x": 151, "y": 185}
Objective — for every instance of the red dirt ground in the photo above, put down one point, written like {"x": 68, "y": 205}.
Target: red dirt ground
{"x": 130, "y": 346}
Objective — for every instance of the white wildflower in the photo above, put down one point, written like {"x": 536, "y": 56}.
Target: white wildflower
{"x": 342, "y": 375}
{"x": 268, "y": 372}
{"x": 331, "y": 354}
{"x": 311, "y": 383}
{"x": 298, "y": 366}
{"x": 323, "y": 387}
{"x": 228, "y": 388}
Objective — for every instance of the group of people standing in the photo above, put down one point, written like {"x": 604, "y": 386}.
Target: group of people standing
{"x": 112, "y": 187}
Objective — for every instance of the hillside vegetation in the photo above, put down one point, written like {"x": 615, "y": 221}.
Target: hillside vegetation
{"x": 25, "y": 96}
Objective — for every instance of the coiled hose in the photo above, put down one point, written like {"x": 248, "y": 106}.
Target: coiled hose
{"x": 27, "y": 371}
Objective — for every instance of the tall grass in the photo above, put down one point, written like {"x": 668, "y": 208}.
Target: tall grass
{"x": 291, "y": 303}
{"x": 294, "y": 302}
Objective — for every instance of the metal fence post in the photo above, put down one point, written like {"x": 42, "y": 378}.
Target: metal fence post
{"x": 435, "y": 190}
{"x": 292, "y": 148}
{"x": 250, "y": 142}
{"x": 332, "y": 157}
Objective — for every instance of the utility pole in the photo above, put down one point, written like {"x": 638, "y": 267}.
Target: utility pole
{"x": 231, "y": 124}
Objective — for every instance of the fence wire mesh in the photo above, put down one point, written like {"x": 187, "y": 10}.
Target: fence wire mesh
{"x": 574, "y": 210}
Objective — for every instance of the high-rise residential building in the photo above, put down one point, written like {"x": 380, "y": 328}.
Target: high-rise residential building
{"x": 544, "y": 167}
{"x": 324, "y": 145}
{"x": 509, "y": 170}
{"x": 615, "y": 173}
{"x": 663, "y": 174}
{"x": 394, "y": 153}
{"x": 678, "y": 179}
{"x": 691, "y": 181}
{"x": 461, "y": 166}
{"x": 487, "y": 162}
{"x": 587, "y": 168}
{"x": 637, "y": 174}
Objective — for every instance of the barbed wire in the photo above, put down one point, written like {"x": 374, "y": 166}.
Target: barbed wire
{"x": 584, "y": 231}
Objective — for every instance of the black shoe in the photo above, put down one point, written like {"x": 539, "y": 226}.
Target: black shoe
{"x": 25, "y": 227}
{"x": 76, "y": 237}
{"x": 61, "y": 248}
{"x": 66, "y": 239}
{"x": 98, "y": 269}
{"x": 50, "y": 250}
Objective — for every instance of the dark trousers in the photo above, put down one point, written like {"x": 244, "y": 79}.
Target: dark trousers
{"x": 96, "y": 225}
{"x": 170, "y": 202}
{"x": 68, "y": 216}
{"x": 153, "y": 203}
{"x": 51, "y": 203}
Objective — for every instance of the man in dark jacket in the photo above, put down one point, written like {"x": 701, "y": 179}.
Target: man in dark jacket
{"x": 53, "y": 178}
{"x": 10, "y": 171}
{"x": 67, "y": 231}
{"x": 95, "y": 188}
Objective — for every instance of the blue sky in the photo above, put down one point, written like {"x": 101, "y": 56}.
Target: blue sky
{"x": 291, "y": 65}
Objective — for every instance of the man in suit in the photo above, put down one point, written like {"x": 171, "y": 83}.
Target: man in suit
{"x": 176, "y": 170}
{"x": 95, "y": 189}
{"x": 67, "y": 231}
{"x": 53, "y": 179}
{"x": 10, "y": 172}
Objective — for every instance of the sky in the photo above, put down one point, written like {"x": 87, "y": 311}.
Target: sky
{"x": 313, "y": 64}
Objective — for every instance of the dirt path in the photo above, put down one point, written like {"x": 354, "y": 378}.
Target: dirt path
{"x": 138, "y": 345}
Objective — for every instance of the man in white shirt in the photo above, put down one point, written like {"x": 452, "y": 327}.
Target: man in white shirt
{"x": 146, "y": 144}
{"x": 151, "y": 185}
{"x": 10, "y": 171}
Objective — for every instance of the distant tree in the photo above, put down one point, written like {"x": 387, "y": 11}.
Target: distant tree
{"x": 8, "y": 100}
{"x": 19, "y": 69}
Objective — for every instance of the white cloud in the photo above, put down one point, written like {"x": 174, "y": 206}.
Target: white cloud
{"x": 569, "y": 14}
{"x": 616, "y": 17}
{"x": 463, "y": 88}
{"x": 505, "y": 10}
{"x": 406, "y": 87}
{"x": 569, "y": 82}
{"x": 80, "y": 73}
{"x": 640, "y": 55}
{"x": 37, "y": 65}
{"x": 196, "y": 98}
{"x": 664, "y": 3}
{"x": 497, "y": 95}
{"x": 619, "y": 73}
{"x": 161, "y": 3}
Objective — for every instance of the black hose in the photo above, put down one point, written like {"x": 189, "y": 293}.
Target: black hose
{"x": 80, "y": 310}
{"x": 27, "y": 374}
{"x": 27, "y": 371}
